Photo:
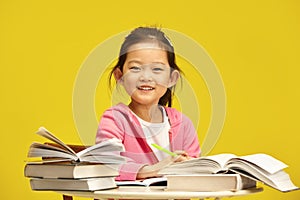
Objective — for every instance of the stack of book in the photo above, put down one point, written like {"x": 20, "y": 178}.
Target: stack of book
{"x": 227, "y": 172}
{"x": 57, "y": 166}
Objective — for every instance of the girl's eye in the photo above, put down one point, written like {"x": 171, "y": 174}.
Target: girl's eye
{"x": 158, "y": 69}
{"x": 135, "y": 68}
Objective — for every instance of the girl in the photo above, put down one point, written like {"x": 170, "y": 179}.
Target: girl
{"x": 147, "y": 70}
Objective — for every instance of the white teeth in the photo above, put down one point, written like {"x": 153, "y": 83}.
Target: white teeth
{"x": 145, "y": 88}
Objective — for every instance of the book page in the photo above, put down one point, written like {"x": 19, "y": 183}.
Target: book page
{"x": 110, "y": 145}
{"x": 104, "y": 158}
{"x": 264, "y": 161}
{"x": 36, "y": 145}
{"x": 44, "y": 150}
{"x": 205, "y": 164}
{"x": 107, "y": 151}
{"x": 221, "y": 159}
{"x": 45, "y": 133}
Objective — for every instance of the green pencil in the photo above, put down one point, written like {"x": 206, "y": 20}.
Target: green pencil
{"x": 164, "y": 150}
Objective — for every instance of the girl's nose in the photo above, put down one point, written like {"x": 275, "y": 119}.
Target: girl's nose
{"x": 146, "y": 76}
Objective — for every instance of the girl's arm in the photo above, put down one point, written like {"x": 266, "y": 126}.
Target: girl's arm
{"x": 149, "y": 171}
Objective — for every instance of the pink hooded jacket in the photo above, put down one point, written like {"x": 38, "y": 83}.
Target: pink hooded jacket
{"x": 119, "y": 122}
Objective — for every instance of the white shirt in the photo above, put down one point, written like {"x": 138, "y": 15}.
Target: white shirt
{"x": 157, "y": 133}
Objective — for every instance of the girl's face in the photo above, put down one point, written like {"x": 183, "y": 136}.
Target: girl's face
{"x": 146, "y": 73}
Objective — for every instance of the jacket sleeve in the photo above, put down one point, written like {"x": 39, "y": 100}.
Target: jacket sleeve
{"x": 190, "y": 140}
{"x": 184, "y": 137}
{"x": 112, "y": 126}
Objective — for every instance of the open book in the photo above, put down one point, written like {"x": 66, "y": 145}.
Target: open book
{"x": 156, "y": 181}
{"x": 106, "y": 152}
{"x": 260, "y": 167}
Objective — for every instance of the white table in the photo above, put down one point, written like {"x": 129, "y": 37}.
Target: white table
{"x": 131, "y": 192}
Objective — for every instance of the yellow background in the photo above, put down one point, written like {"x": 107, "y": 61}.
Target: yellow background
{"x": 255, "y": 45}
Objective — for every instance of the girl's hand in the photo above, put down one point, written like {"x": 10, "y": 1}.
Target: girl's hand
{"x": 151, "y": 170}
{"x": 182, "y": 156}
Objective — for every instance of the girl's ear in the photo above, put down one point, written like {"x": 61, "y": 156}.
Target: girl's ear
{"x": 118, "y": 74}
{"x": 173, "y": 78}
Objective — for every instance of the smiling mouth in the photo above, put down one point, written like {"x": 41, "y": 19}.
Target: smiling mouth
{"x": 145, "y": 88}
